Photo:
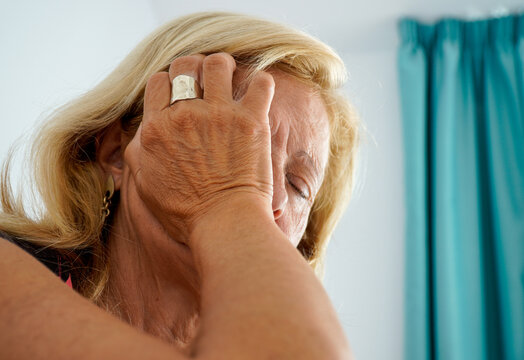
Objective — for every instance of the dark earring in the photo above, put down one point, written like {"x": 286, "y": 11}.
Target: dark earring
{"x": 108, "y": 194}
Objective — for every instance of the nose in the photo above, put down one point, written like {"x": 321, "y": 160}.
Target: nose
{"x": 279, "y": 194}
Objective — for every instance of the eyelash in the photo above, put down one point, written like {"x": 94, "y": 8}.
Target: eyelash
{"x": 297, "y": 190}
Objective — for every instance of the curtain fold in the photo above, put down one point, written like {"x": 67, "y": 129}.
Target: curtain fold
{"x": 462, "y": 94}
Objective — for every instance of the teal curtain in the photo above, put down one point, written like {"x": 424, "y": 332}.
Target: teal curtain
{"x": 462, "y": 93}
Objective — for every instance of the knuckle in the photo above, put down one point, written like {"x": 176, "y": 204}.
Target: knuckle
{"x": 184, "y": 115}
{"x": 155, "y": 77}
{"x": 250, "y": 126}
{"x": 218, "y": 60}
{"x": 264, "y": 80}
{"x": 155, "y": 81}
{"x": 247, "y": 128}
{"x": 220, "y": 114}
{"x": 186, "y": 62}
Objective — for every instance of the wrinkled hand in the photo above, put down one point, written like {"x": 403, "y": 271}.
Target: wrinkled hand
{"x": 191, "y": 158}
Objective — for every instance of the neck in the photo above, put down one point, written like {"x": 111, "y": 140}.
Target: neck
{"x": 152, "y": 283}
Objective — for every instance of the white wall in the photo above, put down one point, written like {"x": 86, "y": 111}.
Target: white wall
{"x": 365, "y": 259}
{"x": 54, "y": 50}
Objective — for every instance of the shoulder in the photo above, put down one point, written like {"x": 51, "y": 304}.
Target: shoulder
{"x": 47, "y": 256}
{"x": 38, "y": 315}
{"x": 13, "y": 257}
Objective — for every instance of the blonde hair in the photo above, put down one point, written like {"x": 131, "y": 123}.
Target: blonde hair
{"x": 69, "y": 181}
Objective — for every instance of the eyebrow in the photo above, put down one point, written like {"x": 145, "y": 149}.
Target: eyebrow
{"x": 310, "y": 160}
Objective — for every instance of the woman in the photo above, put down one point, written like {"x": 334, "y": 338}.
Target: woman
{"x": 182, "y": 217}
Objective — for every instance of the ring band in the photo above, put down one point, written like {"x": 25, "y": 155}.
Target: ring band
{"x": 184, "y": 87}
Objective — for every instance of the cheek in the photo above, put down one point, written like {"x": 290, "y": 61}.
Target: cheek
{"x": 294, "y": 221}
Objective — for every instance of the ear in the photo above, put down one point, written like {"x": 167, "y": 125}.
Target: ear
{"x": 109, "y": 152}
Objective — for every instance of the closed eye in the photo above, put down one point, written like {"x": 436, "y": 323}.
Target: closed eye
{"x": 301, "y": 190}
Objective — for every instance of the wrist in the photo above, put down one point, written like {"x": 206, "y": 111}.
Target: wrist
{"x": 232, "y": 227}
{"x": 231, "y": 213}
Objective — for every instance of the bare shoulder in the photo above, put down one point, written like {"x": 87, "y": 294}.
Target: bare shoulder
{"x": 42, "y": 318}
{"x": 12, "y": 254}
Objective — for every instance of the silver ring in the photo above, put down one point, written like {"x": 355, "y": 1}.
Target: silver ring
{"x": 185, "y": 87}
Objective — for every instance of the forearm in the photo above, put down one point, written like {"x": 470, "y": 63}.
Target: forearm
{"x": 259, "y": 296}
{"x": 41, "y": 318}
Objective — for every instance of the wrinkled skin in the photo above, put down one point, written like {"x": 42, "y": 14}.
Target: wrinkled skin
{"x": 265, "y": 143}
{"x": 198, "y": 153}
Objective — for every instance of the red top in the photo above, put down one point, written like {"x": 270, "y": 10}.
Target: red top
{"x": 68, "y": 281}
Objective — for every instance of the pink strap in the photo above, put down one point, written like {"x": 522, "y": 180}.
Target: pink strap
{"x": 69, "y": 282}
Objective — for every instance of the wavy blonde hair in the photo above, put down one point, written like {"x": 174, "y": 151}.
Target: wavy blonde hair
{"x": 69, "y": 181}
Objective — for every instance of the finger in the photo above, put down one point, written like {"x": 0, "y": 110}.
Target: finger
{"x": 218, "y": 76}
{"x": 158, "y": 92}
{"x": 187, "y": 65}
{"x": 260, "y": 93}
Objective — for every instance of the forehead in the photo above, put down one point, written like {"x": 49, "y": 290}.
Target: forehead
{"x": 300, "y": 109}
{"x": 297, "y": 102}
{"x": 297, "y": 112}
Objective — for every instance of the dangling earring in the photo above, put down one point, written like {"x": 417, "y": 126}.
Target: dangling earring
{"x": 108, "y": 194}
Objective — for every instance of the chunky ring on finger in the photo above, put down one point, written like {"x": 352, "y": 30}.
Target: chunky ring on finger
{"x": 184, "y": 87}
